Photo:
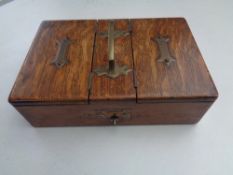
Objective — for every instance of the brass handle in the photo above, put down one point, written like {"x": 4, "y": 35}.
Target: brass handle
{"x": 61, "y": 57}
{"x": 165, "y": 55}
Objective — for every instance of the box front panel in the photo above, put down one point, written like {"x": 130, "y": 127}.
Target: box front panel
{"x": 114, "y": 113}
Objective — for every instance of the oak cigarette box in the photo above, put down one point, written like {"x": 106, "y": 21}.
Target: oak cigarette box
{"x": 113, "y": 72}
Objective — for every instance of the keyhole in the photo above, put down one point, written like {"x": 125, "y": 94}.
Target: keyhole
{"x": 114, "y": 119}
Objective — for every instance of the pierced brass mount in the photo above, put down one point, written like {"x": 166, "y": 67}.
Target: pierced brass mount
{"x": 113, "y": 70}
{"x": 165, "y": 55}
{"x": 61, "y": 58}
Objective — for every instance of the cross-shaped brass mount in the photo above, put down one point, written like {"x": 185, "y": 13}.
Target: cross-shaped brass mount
{"x": 113, "y": 70}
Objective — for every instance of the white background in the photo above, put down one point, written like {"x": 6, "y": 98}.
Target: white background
{"x": 205, "y": 148}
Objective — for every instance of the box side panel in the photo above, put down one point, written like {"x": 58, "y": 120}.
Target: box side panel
{"x": 126, "y": 113}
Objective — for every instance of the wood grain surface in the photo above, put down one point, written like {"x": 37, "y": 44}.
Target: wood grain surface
{"x": 138, "y": 114}
{"x": 122, "y": 87}
{"x": 186, "y": 78}
{"x": 152, "y": 93}
{"x": 41, "y": 81}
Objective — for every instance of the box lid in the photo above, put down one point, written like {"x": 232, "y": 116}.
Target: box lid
{"x": 65, "y": 58}
{"x": 186, "y": 77}
{"x": 42, "y": 81}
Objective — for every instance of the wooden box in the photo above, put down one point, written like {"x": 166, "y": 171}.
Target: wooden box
{"x": 113, "y": 72}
